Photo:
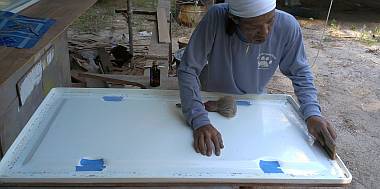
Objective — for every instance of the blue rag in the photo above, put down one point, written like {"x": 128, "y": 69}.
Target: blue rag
{"x": 21, "y": 31}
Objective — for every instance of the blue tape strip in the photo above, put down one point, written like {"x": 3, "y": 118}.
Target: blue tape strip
{"x": 270, "y": 166}
{"x": 243, "y": 103}
{"x": 113, "y": 98}
{"x": 90, "y": 165}
{"x": 91, "y": 162}
{"x": 89, "y": 168}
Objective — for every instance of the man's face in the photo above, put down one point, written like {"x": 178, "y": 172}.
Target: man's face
{"x": 257, "y": 29}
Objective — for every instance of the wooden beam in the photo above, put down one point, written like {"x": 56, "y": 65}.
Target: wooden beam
{"x": 167, "y": 83}
{"x": 162, "y": 25}
{"x": 142, "y": 12}
{"x": 164, "y": 4}
{"x": 111, "y": 79}
{"x": 156, "y": 57}
{"x": 158, "y": 49}
{"x": 75, "y": 75}
{"x": 130, "y": 29}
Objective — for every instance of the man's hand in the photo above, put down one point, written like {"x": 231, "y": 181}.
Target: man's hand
{"x": 207, "y": 138}
{"x": 323, "y": 132}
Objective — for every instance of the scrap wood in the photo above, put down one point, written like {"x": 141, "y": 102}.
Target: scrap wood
{"x": 118, "y": 69}
{"x": 82, "y": 64}
{"x": 78, "y": 85}
{"x": 112, "y": 79}
{"x": 166, "y": 83}
{"x": 156, "y": 57}
{"x": 143, "y": 12}
{"x": 145, "y": 45}
{"x": 82, "y": 44}
{"x": 105, "y": 62}
{"x": 87, "y": 40}
{"x": 94, "y": 83}
{"x": 86, "y": 47}
{"x": 92, "y": 68}
{"x": 75, "y": 76}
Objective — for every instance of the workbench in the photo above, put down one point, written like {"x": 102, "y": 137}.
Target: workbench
{"x": 141, "y": 138}
{"x": 27, "y": 75}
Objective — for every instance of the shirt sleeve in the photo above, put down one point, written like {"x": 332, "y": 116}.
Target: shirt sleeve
{"x": 192, "y": 63}
{"x": 294, "y": 65}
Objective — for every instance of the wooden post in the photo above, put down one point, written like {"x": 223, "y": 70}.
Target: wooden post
{"x": 171, "y": 42}
{"x": 130, "y": 30}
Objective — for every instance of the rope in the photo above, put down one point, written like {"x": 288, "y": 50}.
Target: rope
{"x": 323, "y": 32}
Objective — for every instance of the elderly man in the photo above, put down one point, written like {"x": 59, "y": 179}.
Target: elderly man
{"x": 237, "y": 47}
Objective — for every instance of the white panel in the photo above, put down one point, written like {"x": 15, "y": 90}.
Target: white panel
{"x": 31, "y": 80}
{"x": 143, "y": 138}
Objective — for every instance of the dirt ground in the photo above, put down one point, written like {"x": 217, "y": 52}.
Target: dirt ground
{"x": 347, "y": 76}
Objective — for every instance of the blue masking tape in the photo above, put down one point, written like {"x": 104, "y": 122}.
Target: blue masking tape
{"x": 243, "y": 103}
{"x": 89, "y": 168}
{"x": 91, "y": 162}
{"x": 113, "y": 98}
{"x": 270, "y": 166}
{"x": 90, "y": 165}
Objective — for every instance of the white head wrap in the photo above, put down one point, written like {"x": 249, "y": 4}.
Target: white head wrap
{"x": 250, "y": 8}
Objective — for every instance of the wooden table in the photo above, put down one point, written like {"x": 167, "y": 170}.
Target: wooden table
{"x": 50, "y": 53}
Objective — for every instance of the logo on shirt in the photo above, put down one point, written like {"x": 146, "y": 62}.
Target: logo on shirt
{"x": 264, "y": 60}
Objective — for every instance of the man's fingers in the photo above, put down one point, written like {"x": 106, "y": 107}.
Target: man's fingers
{"x": 215, "y": 140}
{"x": 207, "y": 139}
{"x": 209, "y": 145}
{"x": 331, "y": 131}
{"x": 330, "y": 146}
{"x": 327, "y": 137}
{"x": 220, "y": 140}
{"x": 319, "y": 136}
{"x": 196, "y": 142}
{"x": 201, "y": 144}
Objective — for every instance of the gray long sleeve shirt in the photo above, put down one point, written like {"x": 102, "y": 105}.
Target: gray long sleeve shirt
{"x": 237, "y": 67}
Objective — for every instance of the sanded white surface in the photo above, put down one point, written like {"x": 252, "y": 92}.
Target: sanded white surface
{"x": 144, "y": 139}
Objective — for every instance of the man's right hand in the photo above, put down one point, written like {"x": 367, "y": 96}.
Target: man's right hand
{"x": 207, "y": 139}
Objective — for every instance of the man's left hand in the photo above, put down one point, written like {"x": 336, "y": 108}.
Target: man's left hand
{"x": 323, "y": 132}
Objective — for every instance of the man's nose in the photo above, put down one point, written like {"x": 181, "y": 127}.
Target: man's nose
{"x": 263, "y": 30}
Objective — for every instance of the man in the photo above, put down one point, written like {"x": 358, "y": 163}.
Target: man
{"x": 243, "y": 42}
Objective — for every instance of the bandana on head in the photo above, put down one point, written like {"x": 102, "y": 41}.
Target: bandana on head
{"x": 250, "y": 8}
